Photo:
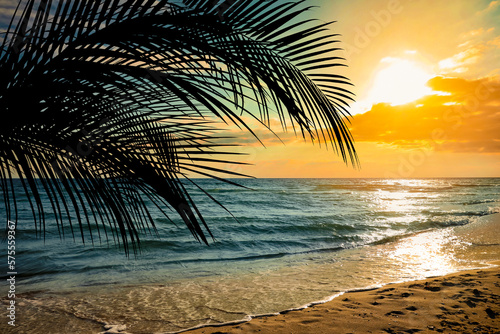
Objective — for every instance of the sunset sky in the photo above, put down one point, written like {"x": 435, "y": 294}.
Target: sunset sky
{"x": 427, "y": 84}
{"x": 426, "y": 76}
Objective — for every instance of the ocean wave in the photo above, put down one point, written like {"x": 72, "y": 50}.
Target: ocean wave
{"x": 276, "y": 219}
{"x": 482, "y": 201}
{"x": 492, "y": 210}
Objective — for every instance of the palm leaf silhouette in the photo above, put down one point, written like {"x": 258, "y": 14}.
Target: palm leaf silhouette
{"x": 111, "y": 103}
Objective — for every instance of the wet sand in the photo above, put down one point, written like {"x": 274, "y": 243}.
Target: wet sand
{"x": 465, "y": 302}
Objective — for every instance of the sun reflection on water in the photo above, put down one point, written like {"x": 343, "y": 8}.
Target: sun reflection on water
{"x": 426, "y": 254}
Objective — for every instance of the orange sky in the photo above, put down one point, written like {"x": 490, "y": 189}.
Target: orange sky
{"x": 427, "y": 85}
{"x": 427, "y": 81}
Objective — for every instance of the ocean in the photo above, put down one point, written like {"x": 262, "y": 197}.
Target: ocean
{"x": 295, "y": 241}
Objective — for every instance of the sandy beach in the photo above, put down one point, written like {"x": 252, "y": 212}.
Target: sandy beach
{"x": 463, "y": 302}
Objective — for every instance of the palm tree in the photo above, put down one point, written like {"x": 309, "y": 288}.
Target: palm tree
{"x": 111, "y": 104}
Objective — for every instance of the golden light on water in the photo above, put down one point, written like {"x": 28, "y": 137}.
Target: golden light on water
{"x": 407, "y": 200}
{"x": 426, "y": 254}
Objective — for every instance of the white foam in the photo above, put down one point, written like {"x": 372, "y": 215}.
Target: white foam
{"x": 115, "y": 329}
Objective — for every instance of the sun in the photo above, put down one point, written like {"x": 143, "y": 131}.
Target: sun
{"x": 399, "y": 82}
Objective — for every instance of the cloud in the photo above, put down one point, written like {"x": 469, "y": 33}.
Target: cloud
{"x": 476, "y": 32}
{"x": 7, "y": 9}
{"x": 479, "y": 48}
{"x": 495, "y": 42}
{"x": 466, "y": 119}
{"x": 275, "y": 136}
{"x": 491, "y": 7}
{"x": 458, "y": 63}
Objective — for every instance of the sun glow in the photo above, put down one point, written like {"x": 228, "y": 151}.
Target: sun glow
{"x": 400, "y": 82}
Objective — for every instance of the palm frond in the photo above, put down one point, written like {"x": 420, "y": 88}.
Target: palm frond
{"x": 113, "y": 103}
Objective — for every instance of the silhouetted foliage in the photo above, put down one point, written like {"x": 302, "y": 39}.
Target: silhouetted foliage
{"x": 108, "y": 104}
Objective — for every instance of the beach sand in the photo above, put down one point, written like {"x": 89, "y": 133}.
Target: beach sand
{"x": 463, "y": 302}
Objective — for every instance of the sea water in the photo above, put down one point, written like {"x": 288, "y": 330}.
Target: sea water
{"x": 294, "y": 241}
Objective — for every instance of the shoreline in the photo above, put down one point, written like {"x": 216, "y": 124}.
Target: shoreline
{"x": 466, "y": 301}
{"x": 495, "y": 265}
{"x": 483, "y": 232}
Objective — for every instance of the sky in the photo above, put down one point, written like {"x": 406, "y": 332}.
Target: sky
{"x": 427, "y": 85}
{"x": 426, "y": 76}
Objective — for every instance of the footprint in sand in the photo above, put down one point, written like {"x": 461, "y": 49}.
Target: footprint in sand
{"x": 448, "y": 283}
{"x": 395, "y": 313}
{"x": 492, "y": 314}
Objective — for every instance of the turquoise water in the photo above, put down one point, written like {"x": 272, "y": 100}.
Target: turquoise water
{"x": 295, "y": 241}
